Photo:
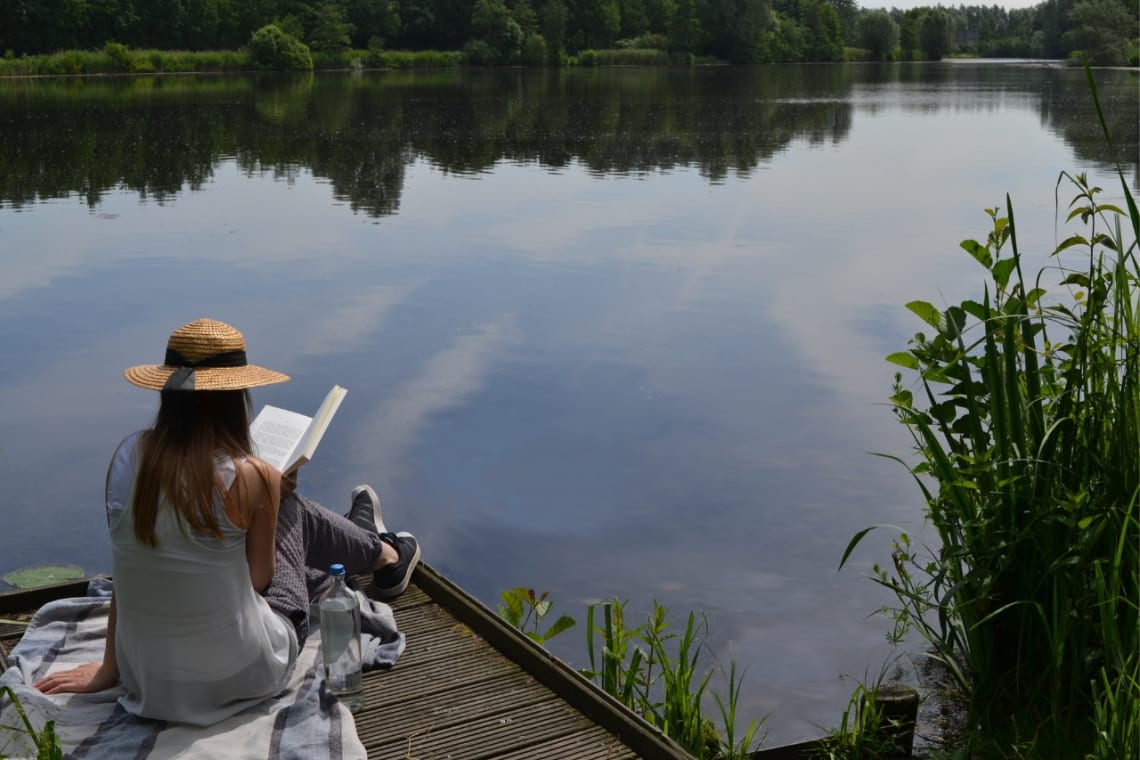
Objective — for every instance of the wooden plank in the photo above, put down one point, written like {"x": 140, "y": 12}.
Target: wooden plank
{"x": 34, "y": 598}
{"x": 488, "y": 737}
{"x": 549, "y": 670}
{"x": 461, "y": 690}
{"x": 381, "y": 687}
{"x": 451, "y": 706}
{"x": 594, "y": 743}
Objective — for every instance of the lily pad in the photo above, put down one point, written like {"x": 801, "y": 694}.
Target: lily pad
{"x": 31, "y": 577}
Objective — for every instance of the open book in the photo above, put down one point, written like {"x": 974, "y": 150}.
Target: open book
{"x": 288, "y": 439}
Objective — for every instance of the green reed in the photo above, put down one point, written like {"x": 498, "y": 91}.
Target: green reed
{"x": 1027, "y": 426}
{"x": 116, "y": 58}
{"x": 864, "y": 731}
{"x": 387, "y": 59}
{"x": 45, "y": 742}
{"x": 657, "y": 673}
{"x": 633, "y": 57}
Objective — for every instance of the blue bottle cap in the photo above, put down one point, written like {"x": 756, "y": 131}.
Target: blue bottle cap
{"x": 337, "y": 569}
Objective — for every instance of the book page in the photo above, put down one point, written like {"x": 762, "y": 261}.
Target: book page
{"x": 276, "y": 433}
{"x": 320, "y": 423}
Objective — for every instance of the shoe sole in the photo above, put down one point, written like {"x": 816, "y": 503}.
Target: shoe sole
{"x": 377, "y": 517}
{"x": 394, "y": 591}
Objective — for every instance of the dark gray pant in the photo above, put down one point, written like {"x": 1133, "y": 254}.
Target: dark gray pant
{"x": 309, "y": 539}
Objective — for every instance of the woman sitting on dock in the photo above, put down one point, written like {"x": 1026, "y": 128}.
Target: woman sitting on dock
{"x": 215, "y": 557}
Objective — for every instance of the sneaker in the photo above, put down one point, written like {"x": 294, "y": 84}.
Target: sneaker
{"x": 391, "y": 581}
{"x": 365, "y": 510}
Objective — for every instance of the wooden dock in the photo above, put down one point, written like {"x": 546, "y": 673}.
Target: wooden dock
{"x": 469, "y": 686}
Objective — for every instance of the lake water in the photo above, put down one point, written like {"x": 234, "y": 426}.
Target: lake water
{"x": 605, "y": 332}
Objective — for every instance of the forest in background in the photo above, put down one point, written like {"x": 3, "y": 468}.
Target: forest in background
{"x": 554, "y": 32}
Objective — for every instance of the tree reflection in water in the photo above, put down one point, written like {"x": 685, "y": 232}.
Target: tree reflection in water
{"x": 162, "y": 135}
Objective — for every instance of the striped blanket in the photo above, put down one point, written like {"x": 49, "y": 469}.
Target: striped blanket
{"x": 302, "y": 722}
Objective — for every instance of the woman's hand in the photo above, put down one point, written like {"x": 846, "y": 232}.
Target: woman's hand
{"x": 86, "y": 678}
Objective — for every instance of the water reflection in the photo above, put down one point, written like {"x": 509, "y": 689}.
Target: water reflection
{"x": 605, "y": 332}
{"x": 160, "y": 136}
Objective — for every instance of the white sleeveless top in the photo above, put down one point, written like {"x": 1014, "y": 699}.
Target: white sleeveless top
{"x": 194, "y": 641}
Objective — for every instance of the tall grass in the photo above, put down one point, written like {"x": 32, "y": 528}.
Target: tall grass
{"x": 1026, "y": 419}
{"x": 387, "y": 59}
{"x": 116, "y": 58}
{"x": 657, "y": 673}
{"x": 867, "y": 729}
{"x": 632, "y": 57}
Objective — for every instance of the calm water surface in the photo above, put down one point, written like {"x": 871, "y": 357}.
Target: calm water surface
{"x": 605, "y": 333}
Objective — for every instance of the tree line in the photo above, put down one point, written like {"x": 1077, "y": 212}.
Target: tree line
{"x": 505, "y": 32}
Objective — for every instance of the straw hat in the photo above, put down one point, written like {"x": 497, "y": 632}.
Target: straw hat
{"x": 204, "y": 355}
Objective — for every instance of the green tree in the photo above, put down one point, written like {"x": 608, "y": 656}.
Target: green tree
{"x": 879, "y": 34}
{"x": 1102, "y": 30}
{"x": 523, "y": 13}
{"x": 493, "y": 25}
{"x": 416, "y": 24}
{"x": 552, "y": 22}
{"x": 202, "y": 29}
{"x": 934, "y": 34}
{"x": 328, "y": 29}
{"x": 848, "y": 11}
{"x": 659, "y": 14}
{"x": 784, "y": 40}
{"x": 598, "y": 21}
{"x": 824, "y": 32}
{"x": 1052, "y": 21}
{"x": 735, "y": 29}
{"x": 908, "y": 34}
{"x": 685, "y": 28}
{"x": 634, "y": 19}
{"x": 373, "y": 21}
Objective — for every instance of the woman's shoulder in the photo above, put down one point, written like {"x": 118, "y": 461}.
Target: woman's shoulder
{"x": 127, "y": 452}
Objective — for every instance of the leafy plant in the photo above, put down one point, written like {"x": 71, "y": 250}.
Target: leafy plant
{"x": 45, "y": 741}
{"x": 1027, "y": 427}
{"x": 525, "y": 610}
{"x": 869, "y": 727}
{"x": 656, "y": 673}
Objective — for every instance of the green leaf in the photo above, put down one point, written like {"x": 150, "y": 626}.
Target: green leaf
{"x": 926, "y": 312}
{"x": 563, "y": 623}
{"x": 541, "y": 608}
{"x": 32, "y": 577}
{"x": 1078, "y": 279}
{"x": 1069, "y": 242}
{"x": 974, "y": 309}
{"x": 903, "y": 359}
{"x": 944, "y": 412}
{"x": 1002, "y": 270}
{"x": 902, "y": 398}
{"x": 978, "y": 251}
{"x": 953, "y": 322}
{"x": 512, "y": 608}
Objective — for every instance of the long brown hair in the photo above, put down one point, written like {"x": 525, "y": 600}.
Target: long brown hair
{"x": 191, "y": 430}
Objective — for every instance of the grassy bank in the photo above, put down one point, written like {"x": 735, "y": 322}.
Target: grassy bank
{"x": 119, "y": 59}
{"x": 115, "y": 58}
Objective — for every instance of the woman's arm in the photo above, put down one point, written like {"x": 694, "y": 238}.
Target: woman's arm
{"x": 256, "y": 495}
{"x": 94, "y": 676}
